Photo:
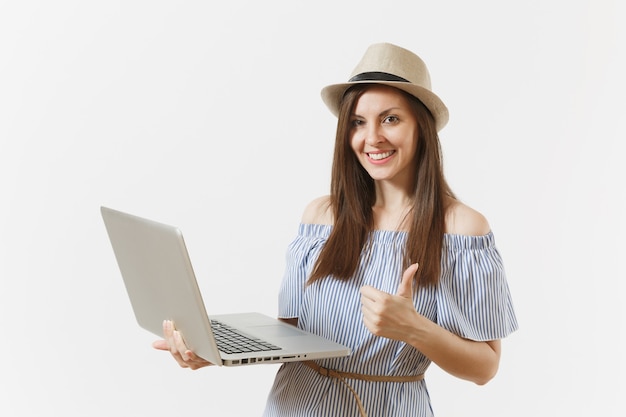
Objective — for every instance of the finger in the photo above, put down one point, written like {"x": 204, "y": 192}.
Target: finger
{"x": 370, "y": 293}
{"x": 181, "y": 347}
{"x": 405, "y": 289}
{"x": 174, "y": 342}
{"x": 365, "y": 306}
{"x": 190, "y": 360}
{"x": 195, "y": 361}
{"x": 161, "y": 345}
{"x": 370, "y": 320}
{"x": 168, "y": 335}
{"x": 180, "y": 360}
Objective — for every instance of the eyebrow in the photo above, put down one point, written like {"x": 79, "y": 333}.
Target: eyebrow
{"x": 382, "y": 113}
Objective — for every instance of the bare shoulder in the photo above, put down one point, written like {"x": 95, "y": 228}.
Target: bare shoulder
{"x": 318, "y": 211}
{"x": 461, "y": 219}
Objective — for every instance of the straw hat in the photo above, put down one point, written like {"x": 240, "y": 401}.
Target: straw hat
{"x": 388, "y": 64}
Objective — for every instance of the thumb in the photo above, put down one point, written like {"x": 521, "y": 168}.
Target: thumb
{"x": 160, "y": 345}
{"x": 405, "y": 289}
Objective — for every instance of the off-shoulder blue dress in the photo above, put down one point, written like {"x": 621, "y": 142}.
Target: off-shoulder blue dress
{"x": 471, "y": 300}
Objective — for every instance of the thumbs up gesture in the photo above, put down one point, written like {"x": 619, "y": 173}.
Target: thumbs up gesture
{"x": 390, "y": 315}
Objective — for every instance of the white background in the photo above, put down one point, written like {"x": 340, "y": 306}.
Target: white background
{"x": 207, "y": 115}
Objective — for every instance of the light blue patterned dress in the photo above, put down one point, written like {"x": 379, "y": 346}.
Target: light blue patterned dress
{"x": 472, "y": 300}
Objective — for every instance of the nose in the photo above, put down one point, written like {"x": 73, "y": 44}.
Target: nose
{"x": 373, "y": 135}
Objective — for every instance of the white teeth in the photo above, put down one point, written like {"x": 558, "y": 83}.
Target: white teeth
{"x": 379, "y": 156}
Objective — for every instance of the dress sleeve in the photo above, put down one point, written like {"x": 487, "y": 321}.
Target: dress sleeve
{"x": 473, "y": 298}
{"x": 301, "y": 255}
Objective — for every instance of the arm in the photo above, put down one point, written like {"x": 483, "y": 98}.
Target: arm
{"x": 395, "y": 317}
{"x": 467, "y": 359}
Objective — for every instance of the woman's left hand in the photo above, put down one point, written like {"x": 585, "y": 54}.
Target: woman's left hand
{"x": 391, "y": 315}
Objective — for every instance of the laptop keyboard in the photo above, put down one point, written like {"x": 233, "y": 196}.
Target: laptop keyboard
{"x": 230, "y": 340}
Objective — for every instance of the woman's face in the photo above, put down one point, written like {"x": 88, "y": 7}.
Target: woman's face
{"x": 383, "y": 134}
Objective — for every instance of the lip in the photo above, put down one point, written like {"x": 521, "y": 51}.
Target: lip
{"x": 380, "y": 157}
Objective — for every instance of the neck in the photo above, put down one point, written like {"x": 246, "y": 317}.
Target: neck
{"x": 391, "y": 197}
{"x": 391, "y": 209}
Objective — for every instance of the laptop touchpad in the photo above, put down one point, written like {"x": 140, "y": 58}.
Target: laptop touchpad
{"x": 277, "y": 330}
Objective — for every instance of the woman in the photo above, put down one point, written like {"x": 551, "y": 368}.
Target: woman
{"x": 390, "y": 263}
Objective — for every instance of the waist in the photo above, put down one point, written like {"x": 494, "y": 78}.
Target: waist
{"x": 342, "y": 376}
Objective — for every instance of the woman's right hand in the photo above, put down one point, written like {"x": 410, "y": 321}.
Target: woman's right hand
{"x": 173, "y": 342}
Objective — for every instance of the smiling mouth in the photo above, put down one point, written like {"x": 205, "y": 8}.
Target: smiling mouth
{"x": 380, "y": 156}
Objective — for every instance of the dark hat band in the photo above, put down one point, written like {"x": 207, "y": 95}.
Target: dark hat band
{"x": 377, "y": 76}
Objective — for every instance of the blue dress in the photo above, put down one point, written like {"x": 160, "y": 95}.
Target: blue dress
{"x": 471, "y": 300}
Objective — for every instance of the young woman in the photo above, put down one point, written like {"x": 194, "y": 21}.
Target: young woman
{"x": 390, "y": 263}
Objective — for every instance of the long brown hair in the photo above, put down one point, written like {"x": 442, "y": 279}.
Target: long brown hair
{"x": 352, "y": 195}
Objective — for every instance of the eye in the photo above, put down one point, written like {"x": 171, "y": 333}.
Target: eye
{"x": 390, "y": 119}
{"x": 356, "y": 122}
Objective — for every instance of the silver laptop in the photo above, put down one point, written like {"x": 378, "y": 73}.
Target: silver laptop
{"x": 160, "y": 282}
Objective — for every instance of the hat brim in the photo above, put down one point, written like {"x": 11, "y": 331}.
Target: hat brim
{"x": 333, "y": 94}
